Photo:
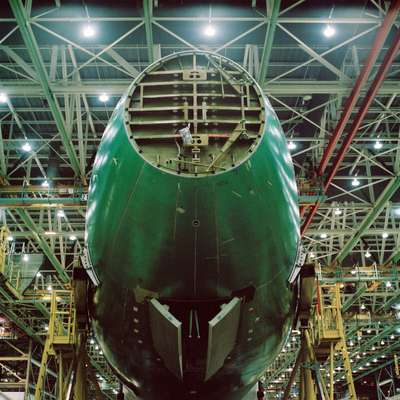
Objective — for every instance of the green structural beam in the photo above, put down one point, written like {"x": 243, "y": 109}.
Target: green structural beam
{"x": 269, "y": 39}
{"x": 148, "y": 15}
{"x": 389, "y": 303}
{"x": 379, "y": 205}
{"x": 15, "y": 202}
{"x": 394, "y": 257}
{"x": 357, "y": 295}
{"x": 16, "y": 319}
{"x": 21, "y": 324}
{"x": 30, "y": 42}
{"x": 43, "y": 244}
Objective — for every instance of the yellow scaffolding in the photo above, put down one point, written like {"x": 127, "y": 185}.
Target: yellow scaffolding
{"x": 323, "y": 335}
{"x": 61, "y": 339}
{"x": 329, "y": 335}
{"x": 3, "y": 247}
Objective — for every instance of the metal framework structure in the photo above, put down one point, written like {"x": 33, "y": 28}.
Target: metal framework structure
{"x": 337, "y": 99}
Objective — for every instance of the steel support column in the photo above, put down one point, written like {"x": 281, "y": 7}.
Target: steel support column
{"x": 148, "y": 15}
{"x": 269, "y": 39}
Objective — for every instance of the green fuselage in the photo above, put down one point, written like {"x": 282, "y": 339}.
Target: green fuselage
{"x": 195, "y": 239}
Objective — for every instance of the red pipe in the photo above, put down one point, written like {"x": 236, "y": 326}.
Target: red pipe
{"x": 351, "y": 101}
{"x": 362, "y": 78}
{"x": 369, "y": 97}
{"x": 309, "y": 218}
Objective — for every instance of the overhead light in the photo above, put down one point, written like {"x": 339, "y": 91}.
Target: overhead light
{"x": 49, "y": 288}
{"x": 362, "y": 307}
{"x": 312, "y": 255}
{"x": 373, "y": 348}
{"x": 45, "y": 184}
{"x": 88, "y": 31}
{"x": 104, "y": 97}
{"x": 329, "y": 31}
{"x": 378, "y": 145}
{"x": 61, "y": 213}
{"x": 353, "y": 271}
{"x": 351, "y": 343}
{"x": 46, "y": 327}
{"x": 26, "y": 147}
{"x": 39, "y": 274}
{"x": 50, "y": 233}
{"x": 385, "y": 235}
{"x": 397, "y": 211}
{"x": 291, "y": 145}
{"x": 25, "y": 257}
{"x": 91, "y": 341}
{"x": 323, "y": 235}
{"x": 72, "y": 237}
{"x": 382, "y": 342}
{"x": 391, "y": 337}
{"x": 3, "y": 98}
{"x": 369, "y": 331}
{"x": 375, "y": 360}
{"x": 338, "y": 211}
{"x": 388, "y": 284}
{"x": 355, "y": 182}
{"x": 10, "y": 238}
{"x": 209, "y": 30}
{"x": 367, "y": 254}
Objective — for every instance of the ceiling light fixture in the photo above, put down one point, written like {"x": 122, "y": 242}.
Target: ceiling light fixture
{"x": 329, "y": 31}
{"x": 355, "y": 182}
{"x": 209, "y": 30}
{"x": 88, "y": 31}
{"x": 104, "y": 97}
{"x": 378, "y": 145}
{"x": 26, "y": 147}
{"x": 61, "y": 213}
{"x": 291, "y": 145}
{"x": 3, "y": 98}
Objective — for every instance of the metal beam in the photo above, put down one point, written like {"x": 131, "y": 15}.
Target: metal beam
{"x": 19, "y": 61}
{"x": 269, "y": 39}
{"x": 289, "y": 88}
{"x": 33, "y": 50}
{"x": 30, "y": 224}
{"x": 148, "y": 15}
{"x": 381, "y": 202}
